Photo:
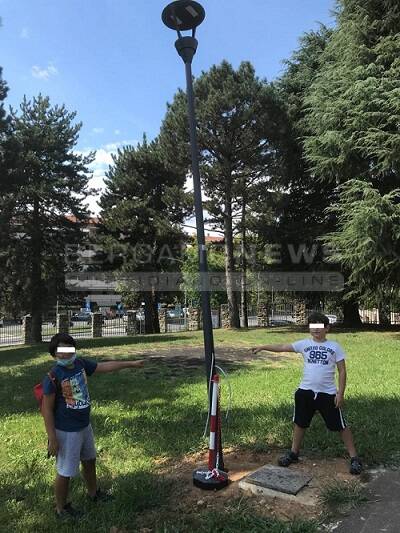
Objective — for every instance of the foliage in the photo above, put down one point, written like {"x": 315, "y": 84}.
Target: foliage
{"x": 190, "y": 270}
{"x": 143, "y": 207}
{"x": 238, "y": 118}
{"x": 366, "y": 241}
{"x": 353, "y": 106}
{"x": 43, "y": 195}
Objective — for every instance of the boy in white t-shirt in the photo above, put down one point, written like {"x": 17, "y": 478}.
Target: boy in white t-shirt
{"x": 317, "y": 390}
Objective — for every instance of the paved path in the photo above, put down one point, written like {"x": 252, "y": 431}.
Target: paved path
{"x": 382, "y": 513}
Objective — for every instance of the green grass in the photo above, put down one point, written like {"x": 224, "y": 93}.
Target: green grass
{"x": 342, "y": 496}
{"x": 159, "y": 412}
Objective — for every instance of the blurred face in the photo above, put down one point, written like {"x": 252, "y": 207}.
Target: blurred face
{"x": 318, "y": 331}
{"x": 65, "y": 354}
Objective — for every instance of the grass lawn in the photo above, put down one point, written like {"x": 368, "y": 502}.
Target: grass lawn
{"x": 145, "y": 417}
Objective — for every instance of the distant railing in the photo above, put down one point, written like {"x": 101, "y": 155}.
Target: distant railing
{"x": 90, "y": 325}
{"x": 11, "y": 332}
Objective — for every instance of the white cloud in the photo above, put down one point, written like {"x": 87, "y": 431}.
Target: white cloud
{"x": 100, "y": 166}
{"x": 24, "y": 33}
{"x": 113, "y": 147}
{"x": 97, "y": 130}
{"x": 44, "y": 73}
{"x": 117, "y": 132}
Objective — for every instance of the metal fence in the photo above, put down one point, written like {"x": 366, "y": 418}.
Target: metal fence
{"x": 80, "y": 325}
{"x": 371, "y": 316}
{"x": 181, "y": 323}
{"x": 113, "y": 327}
{"x": 10, "y": 332}
{"x": 279, "y": 314}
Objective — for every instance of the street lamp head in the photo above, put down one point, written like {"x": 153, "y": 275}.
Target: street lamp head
{"x": 183, "y": 15}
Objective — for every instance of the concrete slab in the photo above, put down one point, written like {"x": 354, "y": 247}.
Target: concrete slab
{"x": 382, "y": 512}
{"x": 279, "y": 479}
{"x": 277, "y": 482}
{"x": 307, "y": 496}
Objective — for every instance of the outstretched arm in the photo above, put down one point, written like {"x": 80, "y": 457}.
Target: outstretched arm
{"x": 273, "y": 348}
{"x": 112, "y": 366}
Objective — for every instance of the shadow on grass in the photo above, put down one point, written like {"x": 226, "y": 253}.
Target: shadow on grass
{"x": 29, "y": 351}
{"x": 16, "y": 388}
{"x": 32, "y": 497}
{"x": 162, "y": 425}
{"x": 156, "y": 408}
{"x": 141, "y": 500}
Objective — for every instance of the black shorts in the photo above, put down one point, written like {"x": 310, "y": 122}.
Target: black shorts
{"x": 306, "y": 402}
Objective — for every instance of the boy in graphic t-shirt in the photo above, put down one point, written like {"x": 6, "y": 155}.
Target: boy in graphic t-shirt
{"x": 66, "y": 412}
{"x": 317, "y": 390}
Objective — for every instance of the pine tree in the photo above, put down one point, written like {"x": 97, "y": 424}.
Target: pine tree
{"x": 367, "y": 241}
{"x": 238, "y": 116}
{"x": 354, "y": 103}
{"x": 143, "y": 208}
{"x": 50, "y": 183}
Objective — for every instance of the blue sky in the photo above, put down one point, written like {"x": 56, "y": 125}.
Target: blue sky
{"x": 114, "y": 62}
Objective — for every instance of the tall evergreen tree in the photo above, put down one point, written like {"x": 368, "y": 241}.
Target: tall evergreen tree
{"x": 237, "y": 116}
{"x": 143, "y": 208}
{"x": 354, "y": 103}
{"x": 367, "y": 242}
{"x": 302, "y": 210}
{"x": 51, "y": 183}
{"x": 300, "y": 216}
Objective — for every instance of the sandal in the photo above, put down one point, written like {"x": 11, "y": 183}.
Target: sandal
{"x": 355, "y": 466}
{"x": 289, "y": 458}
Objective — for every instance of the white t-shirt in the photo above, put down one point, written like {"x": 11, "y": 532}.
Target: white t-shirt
{"x": 320, "y": 360}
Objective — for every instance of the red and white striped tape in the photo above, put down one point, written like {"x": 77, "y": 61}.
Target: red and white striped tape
{"x": 212, "y": 448}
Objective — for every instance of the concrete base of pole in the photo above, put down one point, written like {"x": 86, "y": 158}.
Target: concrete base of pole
{"x": 210, "y": 479}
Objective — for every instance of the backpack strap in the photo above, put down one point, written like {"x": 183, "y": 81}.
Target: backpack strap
{"x": 53, "y": 378}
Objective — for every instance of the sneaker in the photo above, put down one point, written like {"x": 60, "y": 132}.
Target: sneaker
{"x": 68, "y": 513}
{"x": 101, "y": 496}
{"x": 355, "y": 466}
{"x": 289, "y": 458}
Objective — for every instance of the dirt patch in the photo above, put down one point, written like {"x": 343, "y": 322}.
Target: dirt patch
{"x": 189, "y": 499}
{"x": 190, "y": 359}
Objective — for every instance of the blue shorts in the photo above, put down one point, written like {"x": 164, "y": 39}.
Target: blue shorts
{"x": 74, "y": 447}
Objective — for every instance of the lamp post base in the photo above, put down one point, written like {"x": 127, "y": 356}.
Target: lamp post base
{"x": 210, "y": 479}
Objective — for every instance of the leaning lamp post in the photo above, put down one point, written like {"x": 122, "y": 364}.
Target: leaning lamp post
{"x": 187, "y": 15}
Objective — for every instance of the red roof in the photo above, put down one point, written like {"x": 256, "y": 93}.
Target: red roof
{"x": 89, "y": 220}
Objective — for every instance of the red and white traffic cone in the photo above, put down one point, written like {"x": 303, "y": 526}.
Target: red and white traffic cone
{"x": 214, "y": 478}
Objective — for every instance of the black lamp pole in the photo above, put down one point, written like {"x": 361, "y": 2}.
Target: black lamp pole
{"x": 180, "y": 16}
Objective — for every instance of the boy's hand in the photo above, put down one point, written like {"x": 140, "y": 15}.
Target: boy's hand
{"x": 254, "y": 350}
{"x": 339, "y": 400}
{"x": 53, "y": 447}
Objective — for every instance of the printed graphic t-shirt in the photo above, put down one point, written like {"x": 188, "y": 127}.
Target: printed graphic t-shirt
{"x": 72, "y": 403}
{"x": 320, "y": 360}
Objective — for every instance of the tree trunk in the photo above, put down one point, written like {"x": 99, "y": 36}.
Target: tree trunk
{"x": 36, "y": 275}
{"x": 351, "y": 315}
{"x": 151, "y": 323}
{"x": 384, "y": 314}
{"x": 234, "y": 318}
{"x": 244, "y": 319}
{"x": 156, "y": 322}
